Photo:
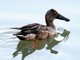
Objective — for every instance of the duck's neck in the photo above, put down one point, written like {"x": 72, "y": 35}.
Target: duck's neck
{"x": 50, "y": 24}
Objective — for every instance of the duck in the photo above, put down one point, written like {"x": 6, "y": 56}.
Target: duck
{"x": 39, "y": 31}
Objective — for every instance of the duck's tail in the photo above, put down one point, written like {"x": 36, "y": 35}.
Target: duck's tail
{"x": 15, "y": 28}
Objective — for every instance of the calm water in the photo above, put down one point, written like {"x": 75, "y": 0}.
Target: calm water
{"x": 17, "y": 13}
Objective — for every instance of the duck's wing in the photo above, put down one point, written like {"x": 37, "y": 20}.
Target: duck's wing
{"x": 28, "y": 27}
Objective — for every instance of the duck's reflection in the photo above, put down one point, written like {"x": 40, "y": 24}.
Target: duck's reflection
{"x": 28, "y": 47}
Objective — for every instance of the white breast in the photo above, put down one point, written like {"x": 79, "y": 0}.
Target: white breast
{"x": 30, "y": 36}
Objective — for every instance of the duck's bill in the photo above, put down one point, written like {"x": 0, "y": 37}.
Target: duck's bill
{"x": 62, "y": 18}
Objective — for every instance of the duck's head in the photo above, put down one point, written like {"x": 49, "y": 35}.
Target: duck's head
{"x": 53, "y": 14}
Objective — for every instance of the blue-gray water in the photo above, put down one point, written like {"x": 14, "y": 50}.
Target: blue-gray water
{"x": 17, "y": 13}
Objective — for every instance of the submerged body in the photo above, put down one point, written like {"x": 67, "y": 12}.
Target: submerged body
{"x": 39, "y": 31}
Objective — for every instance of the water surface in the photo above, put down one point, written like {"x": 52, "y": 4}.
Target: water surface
{"x": 17, "y": 13}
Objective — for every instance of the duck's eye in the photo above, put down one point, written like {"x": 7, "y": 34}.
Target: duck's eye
{"x": 55, "y": 13}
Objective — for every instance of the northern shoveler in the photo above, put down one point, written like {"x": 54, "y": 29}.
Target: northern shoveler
{"x": 39, "y": 31}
